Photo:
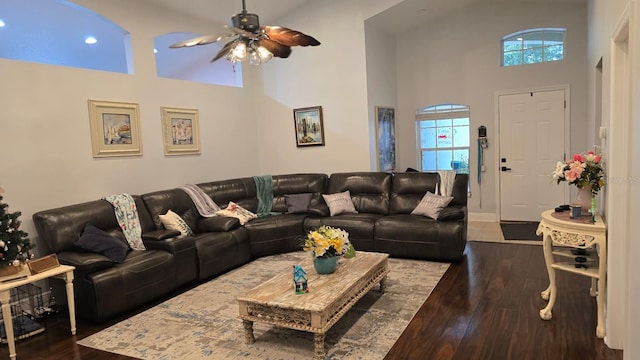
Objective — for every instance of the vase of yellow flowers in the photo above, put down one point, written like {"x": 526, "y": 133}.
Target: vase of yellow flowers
{"x": 327, "y": 244}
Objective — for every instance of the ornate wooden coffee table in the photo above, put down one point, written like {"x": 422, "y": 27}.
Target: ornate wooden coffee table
{"x": 330, "y": 297}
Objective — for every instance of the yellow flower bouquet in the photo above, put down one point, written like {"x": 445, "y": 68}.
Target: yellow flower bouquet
{"x": 328, "y": 241}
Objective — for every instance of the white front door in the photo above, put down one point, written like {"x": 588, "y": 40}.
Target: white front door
{"x": 532, "y": 141}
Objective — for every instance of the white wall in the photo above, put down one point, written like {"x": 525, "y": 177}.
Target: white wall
{"x": 382, "y": 86}
{"x": 332, "y": 75}
{"x": 457, "y": 60}
{"x": 44, "y": 132}
{"x": 623, "y": 287}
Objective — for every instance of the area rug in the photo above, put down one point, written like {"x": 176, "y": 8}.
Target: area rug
{"x": 520, "y": 230}
{"x": 203, "y": 322}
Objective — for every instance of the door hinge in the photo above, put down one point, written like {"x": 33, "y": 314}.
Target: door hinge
{"x": 565, "y": 104}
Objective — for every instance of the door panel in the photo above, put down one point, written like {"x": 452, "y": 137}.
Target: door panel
{"x": 532, "y": 127}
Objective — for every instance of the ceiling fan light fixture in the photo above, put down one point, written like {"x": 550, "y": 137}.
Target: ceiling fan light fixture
{"x": 252, "y": 42}
{"x": 239, "y": 51}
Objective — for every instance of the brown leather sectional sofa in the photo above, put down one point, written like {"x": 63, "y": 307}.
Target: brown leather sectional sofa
{"x": 104, "y": 289}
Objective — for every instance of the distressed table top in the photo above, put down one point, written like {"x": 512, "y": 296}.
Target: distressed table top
{"x": 329, "y": 296}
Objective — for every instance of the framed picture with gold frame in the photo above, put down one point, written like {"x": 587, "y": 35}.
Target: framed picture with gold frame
{"x": 115, "y": 128}
{"x": 181, "y": 133}
{"x": 386, "y": 138}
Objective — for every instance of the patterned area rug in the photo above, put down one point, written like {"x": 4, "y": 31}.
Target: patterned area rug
{"x": 203, "y": 323}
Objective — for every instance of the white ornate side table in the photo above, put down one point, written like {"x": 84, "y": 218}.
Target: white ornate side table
{"x": 561, "y": 235}
{"x": 63, "y": 271}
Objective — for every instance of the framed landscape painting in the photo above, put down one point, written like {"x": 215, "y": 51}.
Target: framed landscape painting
{"x": 309, "y": 126}
{"x": 181, "y": 133}
{"x": 115, "y": 128}
{"x": 386, "y": 138}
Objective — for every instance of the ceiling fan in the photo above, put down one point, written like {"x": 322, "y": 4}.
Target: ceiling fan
{"x": 247, "y": 40}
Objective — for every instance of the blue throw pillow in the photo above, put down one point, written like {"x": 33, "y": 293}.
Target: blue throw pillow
{"x": 98, "y": 241}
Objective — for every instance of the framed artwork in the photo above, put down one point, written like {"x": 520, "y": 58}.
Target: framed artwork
{"x": 386, "y": 138}
{"x": 309, "y": 126}
{"x": 115, "y": 128}
{"x": 180, "y": 131}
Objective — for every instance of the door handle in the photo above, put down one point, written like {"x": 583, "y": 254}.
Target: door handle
{"x": 504, "y": 168}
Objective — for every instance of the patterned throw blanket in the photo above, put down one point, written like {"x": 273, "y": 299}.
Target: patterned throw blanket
{"x": 127, "y": 216}
{"x": 205, "y": 205}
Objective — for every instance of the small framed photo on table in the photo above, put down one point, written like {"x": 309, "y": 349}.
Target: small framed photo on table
{"x": 309, "y": 127}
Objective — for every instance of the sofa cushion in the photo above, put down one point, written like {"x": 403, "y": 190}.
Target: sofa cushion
{"x": 236, "y": 211}
{"x": 99, "y": 241}
{"x": 217, "y": 223}
{"x": 431, "y": 205}
{"x": 339, "y": 203}
{"x": 173, "y": 221}
{"x": 297, "y": 203}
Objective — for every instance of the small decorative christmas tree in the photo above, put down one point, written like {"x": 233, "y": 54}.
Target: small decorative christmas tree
{"x": 14, "y": 243}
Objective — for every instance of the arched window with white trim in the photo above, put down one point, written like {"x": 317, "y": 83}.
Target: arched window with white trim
{"x": 59, "y": 32}
{"x": 533, "y": 46}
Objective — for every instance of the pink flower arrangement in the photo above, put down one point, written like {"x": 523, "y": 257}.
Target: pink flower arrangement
{"x": 583, "y": 170}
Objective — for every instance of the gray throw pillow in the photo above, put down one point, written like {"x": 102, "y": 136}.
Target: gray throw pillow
{"x": 340, "y": 203}
{"x": 431, "y": 205}
{"x": 297, "y": 203}
{"x": 99, "y": 241}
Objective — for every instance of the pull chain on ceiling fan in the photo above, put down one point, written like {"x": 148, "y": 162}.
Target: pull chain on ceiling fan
{"x": 250, "y": 41}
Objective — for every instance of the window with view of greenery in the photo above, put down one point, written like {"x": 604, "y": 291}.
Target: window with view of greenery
{"x": 443, "y": 137}
{"x": 533, "y": 46}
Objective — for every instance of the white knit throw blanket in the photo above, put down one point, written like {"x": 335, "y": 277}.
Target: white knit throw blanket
{"x": 204, "y": 203}
{"x": 127, "y": 215}
{"x": 445, "y": 185}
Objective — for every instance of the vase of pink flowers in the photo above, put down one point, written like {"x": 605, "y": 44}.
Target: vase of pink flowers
{"x": 586, "y": 172}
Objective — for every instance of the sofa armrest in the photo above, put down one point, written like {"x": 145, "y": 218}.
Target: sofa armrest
{"x": 85, "y": 262}
{"x": 160, "y": 234}
{"x": 453, "y": 213}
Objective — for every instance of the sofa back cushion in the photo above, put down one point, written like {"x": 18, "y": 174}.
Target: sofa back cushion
{"x": 60, "y": 228}
{"x": 160, "y": 202}
{"x": 314, "y": 184}
{"x": 408, "y": 189}
{"x": 369, "y": 190}
{"x": 241, "y": 191}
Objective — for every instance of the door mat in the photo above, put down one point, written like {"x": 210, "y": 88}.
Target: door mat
{"x": 520, "y": 230}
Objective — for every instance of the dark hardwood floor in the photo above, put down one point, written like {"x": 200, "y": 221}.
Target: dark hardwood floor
{"x": 485, "y": 307}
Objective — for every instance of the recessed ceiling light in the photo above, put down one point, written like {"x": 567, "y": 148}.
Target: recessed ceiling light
{"x": 2, "y": 23}
{"x": 90, "y": 40}
{"x": 155, "y": 51}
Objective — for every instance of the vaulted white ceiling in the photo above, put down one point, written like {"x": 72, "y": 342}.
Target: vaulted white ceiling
{"x": 398, "y": 19}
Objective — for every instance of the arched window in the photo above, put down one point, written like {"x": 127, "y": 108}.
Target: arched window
{"x": 60, "y": 32}
{"x": 443, "y": 137}
{"x": 194, "y": 63}
{"x": 533, "y": 46}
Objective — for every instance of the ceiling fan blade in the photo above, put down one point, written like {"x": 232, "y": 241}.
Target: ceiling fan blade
{"x": 201, "y": 40}
{"x": 277, "y": 49}
{"x": 288, "y": 37}
{"x": 241, "y": 32}
{"x": 224, "y": 51}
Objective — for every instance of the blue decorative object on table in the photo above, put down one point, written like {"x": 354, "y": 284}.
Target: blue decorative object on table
{"x": 300, "y": 280}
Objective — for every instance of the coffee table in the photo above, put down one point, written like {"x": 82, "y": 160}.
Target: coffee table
{"x": 329, "y": 298}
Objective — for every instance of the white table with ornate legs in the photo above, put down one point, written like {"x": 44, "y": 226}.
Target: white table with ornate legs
{"x": 561, "y": 235}
{"x": 63, "y": 271}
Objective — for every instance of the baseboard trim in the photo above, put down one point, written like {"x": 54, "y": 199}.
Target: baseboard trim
{"x": 483, "y": 217}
